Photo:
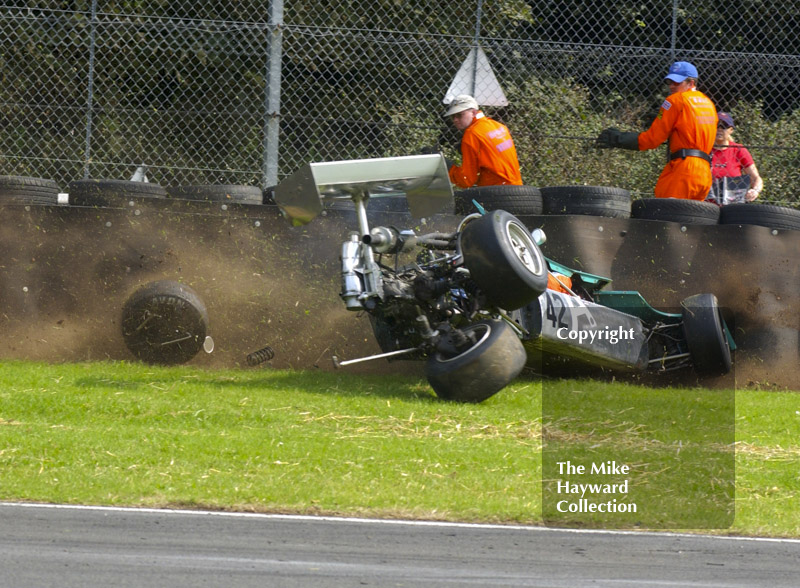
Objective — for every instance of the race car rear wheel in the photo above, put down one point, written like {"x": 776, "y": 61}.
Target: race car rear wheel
{"x": 482, "y": 370}
{"x": 705, "y": 335}
{"x": 503, "y": 260}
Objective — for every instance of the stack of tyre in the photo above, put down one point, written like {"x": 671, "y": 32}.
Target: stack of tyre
{"x": 224, "y": 193}
{"x": 118, "y": 192}
{"x": 610, "y": 202}
{"x": 106, "y": 192}
{"x": 705, "y": 213}
{"x": 522, "y": 201}
{"x": 25, "y": 190}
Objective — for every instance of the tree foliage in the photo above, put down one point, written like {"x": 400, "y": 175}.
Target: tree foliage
{"x": 183, "y": 86}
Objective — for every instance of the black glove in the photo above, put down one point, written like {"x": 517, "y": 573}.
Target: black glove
{"x": 615, "y": 139}
{"x": 449, "y": 163}
{"x": 429, "y": 150}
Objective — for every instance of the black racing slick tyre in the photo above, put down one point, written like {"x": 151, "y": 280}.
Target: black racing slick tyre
{"x": 24, "y": 190}
{"x": 517, "y": 200}
{"x": 231, "y": 193}
{"x": 587, "y": 200}
{"x": 111, "y": 192}
{"x": 486, "y": 367}
{"x": 503, "y": 260}
{"x": 705, "y": 335}
{"x": 676, "y": 210}
{"x": 765, "y": 215}
{"x": 164, "y": 322}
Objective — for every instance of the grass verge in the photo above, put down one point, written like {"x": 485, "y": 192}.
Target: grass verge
{"x": 333, "y": 443}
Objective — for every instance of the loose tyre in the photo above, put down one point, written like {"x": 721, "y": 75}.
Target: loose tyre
{"x": 765, "y": 215}
{"x": 165, "y": 323}
{"x": 517, "y": 200}
{"x": 676, "y": 210}
{"x": 111, "y": 192}
{"x": 25, "y": 190}
{"x": 482, "y": 370}
{"x": 238, "y": 194}
{"x": 705, "y": 335}
{"x": 503, "y": 260}
{"x": 587, "y": 200}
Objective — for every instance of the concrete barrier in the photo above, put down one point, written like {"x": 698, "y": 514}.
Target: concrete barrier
{"x": 66, "y": 272}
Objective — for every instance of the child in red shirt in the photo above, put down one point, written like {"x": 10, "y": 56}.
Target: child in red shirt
{"x": 729, "y": 159}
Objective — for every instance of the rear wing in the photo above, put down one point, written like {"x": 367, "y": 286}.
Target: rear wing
{"x": 422, "y": 178}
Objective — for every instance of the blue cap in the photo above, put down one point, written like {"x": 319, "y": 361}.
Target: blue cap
{"x": 725, "y": 118}
{"x": 680, "y": 70}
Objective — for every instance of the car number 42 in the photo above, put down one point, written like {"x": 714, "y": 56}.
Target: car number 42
{"x": 561, "y": 311}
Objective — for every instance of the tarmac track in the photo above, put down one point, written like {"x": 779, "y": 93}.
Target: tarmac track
{"x": 70, "y": 547}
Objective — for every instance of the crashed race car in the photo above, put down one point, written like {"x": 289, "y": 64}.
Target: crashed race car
{"x": 480, "y": 302}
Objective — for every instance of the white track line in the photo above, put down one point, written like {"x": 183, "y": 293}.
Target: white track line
{"x": 413, "y": 523}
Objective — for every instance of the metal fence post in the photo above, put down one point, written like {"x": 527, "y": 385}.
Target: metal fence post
{"x": 87, "y": 153}
{"x": 477, "y": 45}
{"x": 674, "y": 40}
{"x": 272, "y": 99}
{"x": 200, "y": 87}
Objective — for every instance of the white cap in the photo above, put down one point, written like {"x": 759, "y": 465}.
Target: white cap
{"x": 461, "y": 103}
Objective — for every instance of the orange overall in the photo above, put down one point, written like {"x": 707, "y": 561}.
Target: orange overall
{"x": 689, "y": 120}
{"x": 559, "y": 282}
{"x": 488, "y": 156}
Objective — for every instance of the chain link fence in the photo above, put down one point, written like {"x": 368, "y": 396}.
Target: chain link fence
{"x": 245, "y": 92}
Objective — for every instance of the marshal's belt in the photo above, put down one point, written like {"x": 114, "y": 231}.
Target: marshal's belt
{"x": 684, "y": 153}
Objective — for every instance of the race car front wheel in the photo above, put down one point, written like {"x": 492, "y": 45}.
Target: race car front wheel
{"x": 705, "y": 335}
{"x": 484, "y": 368}
{"x": 503, "y": 260}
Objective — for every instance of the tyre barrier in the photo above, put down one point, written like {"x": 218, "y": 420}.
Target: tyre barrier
{"x": 111, "y": 192}
{"x": 765, "y": 215}
{"x": 516, "y": 200}
{"x": 587, "y": 200}
{"x": 677, "y": 210}
{"x": 696, "y": 212}
{"x": 25, "y": 190}
{"x": 240, "y": 194}
{"x": 375, "y": 204}
{"x": 263, "y": 279}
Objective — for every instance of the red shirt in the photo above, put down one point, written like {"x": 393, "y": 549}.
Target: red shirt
{"x": 731, "y": 161}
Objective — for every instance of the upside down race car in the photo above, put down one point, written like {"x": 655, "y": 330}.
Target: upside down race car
{"x": 477, "y": 303}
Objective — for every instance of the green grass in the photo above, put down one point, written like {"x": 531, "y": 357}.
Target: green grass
{"x": 337, "y": 443}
